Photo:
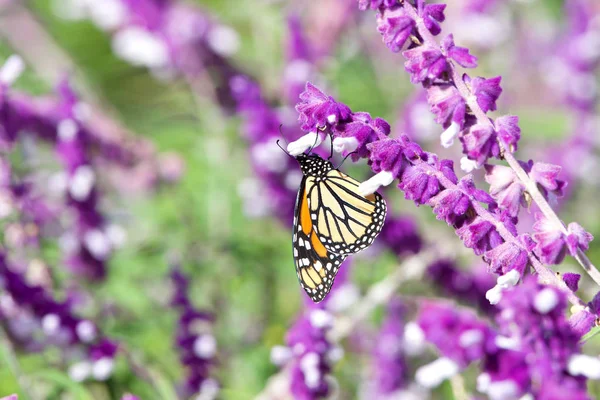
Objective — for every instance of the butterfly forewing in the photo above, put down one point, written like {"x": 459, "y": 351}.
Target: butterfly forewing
{"x": 316, "y": 267}
{"x": 346, "y": 222}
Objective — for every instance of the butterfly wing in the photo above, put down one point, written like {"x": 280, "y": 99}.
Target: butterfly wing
{"x": 316, "y": 267}
{"x": 345, "y": 221}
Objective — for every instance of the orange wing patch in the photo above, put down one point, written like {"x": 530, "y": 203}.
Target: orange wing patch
{"x": 305, "y": 220}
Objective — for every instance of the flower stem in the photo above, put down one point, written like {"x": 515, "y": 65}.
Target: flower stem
{"x": 531, "y": 186}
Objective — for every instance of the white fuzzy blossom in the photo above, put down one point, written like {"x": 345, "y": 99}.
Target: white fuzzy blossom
{"x": 308, "y": 141}
{"x": 370, "y": 186}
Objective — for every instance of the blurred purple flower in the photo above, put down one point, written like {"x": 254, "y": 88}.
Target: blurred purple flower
{"x": 195, "y": 341}
{"x": 58, "y": 324}
{"x": 467, "y": 286}
{"x": 390, "y": 369}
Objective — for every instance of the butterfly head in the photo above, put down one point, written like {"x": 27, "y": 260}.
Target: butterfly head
{"x": 313, "y": 165}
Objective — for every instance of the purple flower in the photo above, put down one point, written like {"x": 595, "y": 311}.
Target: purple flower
{"x": 505, "y": 188}
{"x": 388, "y": 155}
{"x": 395, "y": 28}
{"x": 448, "y": 105}
{"x": 424, "y": 63}
{"x": 459, "y": 54}
{"x": 479, "y": 143}
{"x": 400, "y": 234}
{"x": 507, "y": 257}
{"x": 571, "y": 280}
{"x": 317, "y": 110}
{"x": 485, "y": 90}
{"x": 479, "y": 235}
{"x": 390, "y": 366}
{"x": 418, "y": 185}
{"x": 546, "y": 176}
{"x": 552, "y": 243}
{"x": 508, "y": 131}
{"x": 432, "y": 14}
{"x": 450, "y": 205}
{"x": 357, "y": 133}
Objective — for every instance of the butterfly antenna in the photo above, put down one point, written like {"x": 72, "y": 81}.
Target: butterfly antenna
{"x": 348, "y": 155}
{"x": 284, "y": 150}
{"x": 315, "y": 143}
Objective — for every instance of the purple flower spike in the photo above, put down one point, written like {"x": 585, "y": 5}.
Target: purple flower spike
{"x": 545, "y": 175}
{"x": 486, "y": 91}
{"x": 310, "y": 364}
{"x": 318, "y": 110}
{"x": 424, "y": 63}
{"x": 505, "y": 188}
{"x": 390, "y": 365}
{"x": 508, "y": 130}
{"x": 479, "y": 143}
{"x": 195, "y": 341}
{"x": 459, "y": 54}
{"x": 418, "y": 185}
{"x": 432, "y": 14}
{"x": 571, "y": 280}
{"x": 395, "y": 28}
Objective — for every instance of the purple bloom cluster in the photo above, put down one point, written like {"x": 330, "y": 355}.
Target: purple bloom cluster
{"x": 28, "y": 310}
{"x": 309, "y": 371}
{"x": 62, "y": 121}
{"x": 88, "y": 246}
{"x": 427, "y": 180}
{"x": 390, "y": 367}
{"x": 195, "y": 341}
{"x": 531, "y": 349}
{"x": 469, "y": 287}
{"x": 460, "y": 104}
{"x": 167, "y": 37}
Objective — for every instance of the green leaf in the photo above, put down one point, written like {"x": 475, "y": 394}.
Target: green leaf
{"x": 593, "y": 332}
{"x": 165, "y": 389}
{"x": 78, "y": 390}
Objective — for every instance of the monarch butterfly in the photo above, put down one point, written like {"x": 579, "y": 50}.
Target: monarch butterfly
{"x": 331, "y": 221}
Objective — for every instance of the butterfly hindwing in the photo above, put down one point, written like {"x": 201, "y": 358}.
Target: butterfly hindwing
{"x": 345, "y": 221}
{"x": 316, "y": 267}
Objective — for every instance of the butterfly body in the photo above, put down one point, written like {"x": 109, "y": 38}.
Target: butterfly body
{"x": 332, "y": 220}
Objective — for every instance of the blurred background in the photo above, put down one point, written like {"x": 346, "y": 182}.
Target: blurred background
{"x": 139, "y": 159}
